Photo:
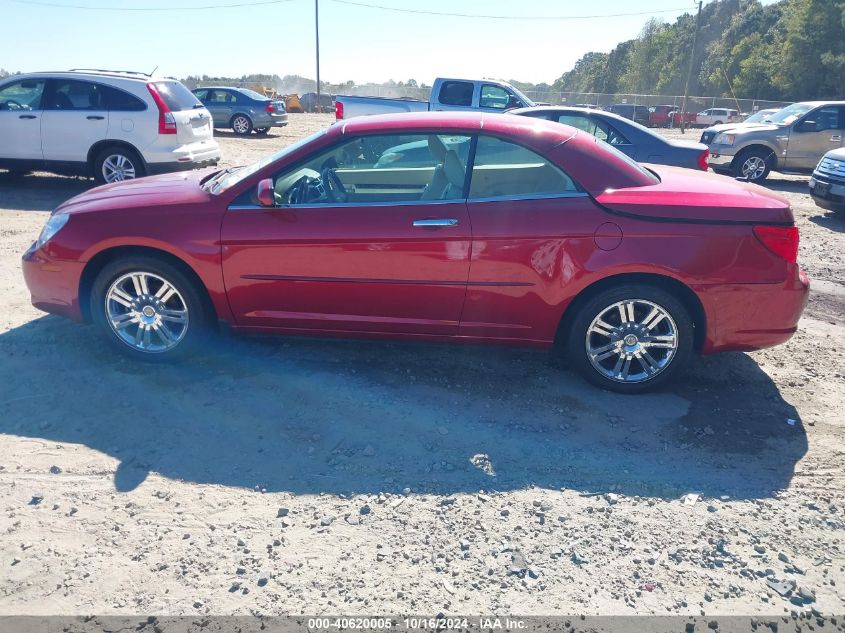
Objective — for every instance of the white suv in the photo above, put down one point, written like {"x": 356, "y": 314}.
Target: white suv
{"x": 717, "y": 116}
{"x": 108, "y": 124}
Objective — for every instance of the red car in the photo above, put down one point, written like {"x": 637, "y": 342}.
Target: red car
{"x": 514, "y": 230}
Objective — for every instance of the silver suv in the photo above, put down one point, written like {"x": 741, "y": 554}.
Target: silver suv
{"x": 793, "y": 140}
{"x": 113, "y": 125}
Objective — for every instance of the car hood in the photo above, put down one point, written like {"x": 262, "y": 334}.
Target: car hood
{"x": 836, "y": 154}
{"x": 690, "y": 195}
{"x": 166, "y": 189}
{"x": 749, "y": 128}
{"x": 724, "y": 127}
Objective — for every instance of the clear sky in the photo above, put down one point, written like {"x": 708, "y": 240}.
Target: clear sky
{"x": 359, "y": 43}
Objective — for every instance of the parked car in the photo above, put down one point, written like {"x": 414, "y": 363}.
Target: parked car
{"x": 309, "y": 102}
{"x": 446, "y": 94}
{"x": 827, "y": 184}
{"x": 630, "y": 111}
{"x": 560, "y": 240}
{"x": 112, "y": 125}
{"x": 242, "y": 109}
{"x": 792, "y": 141}
{"x": 717, "y": 116}
{"x": 761, "y": 117}
{"x": 668, "y": 115}
{"x": 627, "y": 136}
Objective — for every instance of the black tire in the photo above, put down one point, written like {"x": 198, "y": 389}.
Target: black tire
{"x": 118, "y": 156}
{"x": 262, "y": 130}
{"x": 718, "y": 123}
{"x": 196, "y": 326}
{"x": 241, "y": 124}
{"x": 757, "y": 157}
{"x": 644, "y": 297}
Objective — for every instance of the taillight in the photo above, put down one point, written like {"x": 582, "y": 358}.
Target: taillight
{"x": 338, "y": 110}
{"x": 270, "y": 107}
{"x": 702, "y": 160}
{"x": 781, "y": 240}
{"x": 166, "y": 120}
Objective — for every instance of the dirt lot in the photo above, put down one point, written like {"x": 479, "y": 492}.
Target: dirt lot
{"x": 305, "y": 476}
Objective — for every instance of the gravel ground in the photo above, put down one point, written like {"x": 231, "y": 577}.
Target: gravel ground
{"x": 304, "y": 476}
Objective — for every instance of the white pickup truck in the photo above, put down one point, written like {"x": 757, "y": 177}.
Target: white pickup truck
{"x": 446, "y": 94}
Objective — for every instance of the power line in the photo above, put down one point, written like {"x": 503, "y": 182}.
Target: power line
{"x": 84, "y": 7}
{"x": 506, "y": 17}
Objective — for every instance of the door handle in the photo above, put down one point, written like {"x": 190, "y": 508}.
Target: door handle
{"x": 434, "y": 223}
{"x": 26, "y": 116}
{"x": 95, "y": 117}
{"x": 836, "y": 137}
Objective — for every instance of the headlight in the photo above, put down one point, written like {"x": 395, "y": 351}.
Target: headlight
{"x": 724, "y": 139}
{"x": 53, "y": 226}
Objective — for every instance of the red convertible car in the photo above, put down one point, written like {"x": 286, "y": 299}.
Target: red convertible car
{"x": 513, "y": 230}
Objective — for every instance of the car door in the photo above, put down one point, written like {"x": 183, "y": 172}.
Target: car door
{"x": 815, "y": 134}
{"x": 454, "y": 95}
{"x": 75, "y": 117}
{"x": 530, "y": 223}
{"x": 220, "y": 104}
{"x": 20, "y": 119}
{"x": 352, "y": 244}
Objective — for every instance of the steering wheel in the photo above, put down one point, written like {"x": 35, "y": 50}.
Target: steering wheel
{"x": 335, "y": 191}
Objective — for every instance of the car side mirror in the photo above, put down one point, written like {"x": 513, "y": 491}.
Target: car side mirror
{"x": 806, "y": 126}
{"x": 265, "y": 194}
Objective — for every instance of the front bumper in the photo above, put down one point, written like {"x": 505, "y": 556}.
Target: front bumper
{"x": 721, "y": 156}
{"x": 747, "y": 317}
{"x": 834, "y": 198}
{"x": 53, "y": 283}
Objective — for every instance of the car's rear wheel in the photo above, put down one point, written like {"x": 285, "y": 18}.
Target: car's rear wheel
{"x": 752, "y": 164}
{"x": 241, "y": 125}
{"x": 631, "y": 338}
{"x": 116, "y": 164}
{"x": 148, "y": 308}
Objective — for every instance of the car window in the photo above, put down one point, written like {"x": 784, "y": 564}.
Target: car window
{"x": 456, "y": 93}
{"x": 826, "y": 118}
{"x": 378, "y": 169}
{"x": 501, "y": 168}
{"x": 790, "y": 114}
{"x": 71, "y": 94}
{"x": 202, "y": 95}
{"x": 494, "y": 97}
{"x": 117, "y": 100}
{"x": 598, "y": 128}
{"x": 221, "y": 97}
{"x": 22, "y": 95}
{"x": 252, "y": 94}
{"x": 176, "y": 96}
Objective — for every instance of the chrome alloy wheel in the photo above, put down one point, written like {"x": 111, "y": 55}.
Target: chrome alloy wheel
{"x": 117, "y": 167}
{"x": 241, "y": 125}
{"x": 753, "y": 168}
{"x": 631, "y": 341}
{"x": 146, "y": 312}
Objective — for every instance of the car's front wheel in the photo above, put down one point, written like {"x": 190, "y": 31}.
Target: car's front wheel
{"x": 631, "y": 338}
{"x": 148, "y": 308}
{"x": 241, "y": 125}
{"x": 753, "y": 164}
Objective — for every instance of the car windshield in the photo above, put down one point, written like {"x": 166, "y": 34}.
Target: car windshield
{"x": 227, "y": 178}
{"x": 790, "y": 113}
{"x": 252, "y": 94}
{"x": 528, "y": 102}
{"x": 763, "y": 116}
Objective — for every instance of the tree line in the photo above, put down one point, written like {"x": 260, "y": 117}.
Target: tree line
{"x": 790, "y": 50}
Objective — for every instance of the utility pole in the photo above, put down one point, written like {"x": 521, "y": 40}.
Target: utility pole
{"x": 691, "y": 62}
{"x": 319, "y": 106}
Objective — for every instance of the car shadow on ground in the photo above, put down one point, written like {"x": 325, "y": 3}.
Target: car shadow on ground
{"x": 223, "y": 133}
{"x": 313, "y": 416}
{"x": 786, "y": 185}
{"x": 39, "y": 192}
{"x": 835, "y": 221}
